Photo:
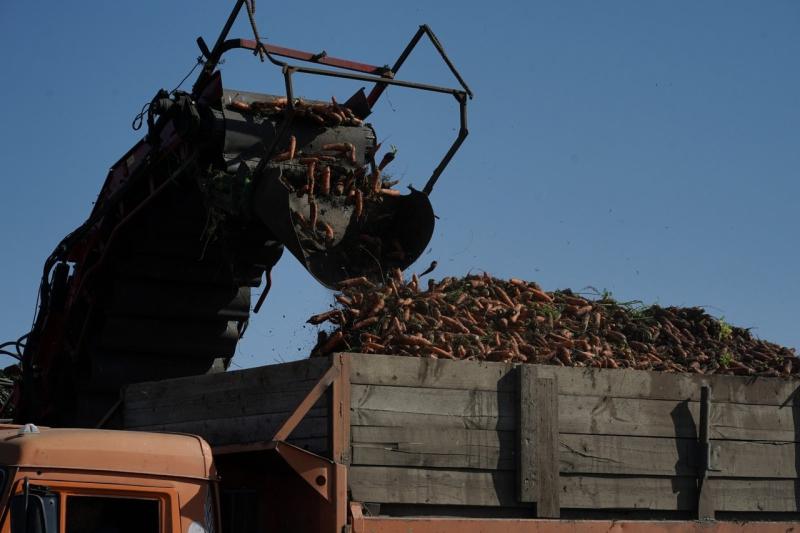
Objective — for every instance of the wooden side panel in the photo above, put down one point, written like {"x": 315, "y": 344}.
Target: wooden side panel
{"x": 234, "y": 407}
{"x": 423, "y": 428}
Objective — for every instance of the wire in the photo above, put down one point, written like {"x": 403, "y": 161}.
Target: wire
{"x": 138, "y": 120}
{"x": 199, "y": 62}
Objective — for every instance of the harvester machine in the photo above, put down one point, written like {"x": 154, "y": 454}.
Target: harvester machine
{"x": 157, "y": 282}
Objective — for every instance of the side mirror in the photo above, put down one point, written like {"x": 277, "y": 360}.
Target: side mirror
{"x": 34, "y": 513}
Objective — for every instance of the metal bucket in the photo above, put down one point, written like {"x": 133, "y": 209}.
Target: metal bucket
{"x": 391, "y": 233}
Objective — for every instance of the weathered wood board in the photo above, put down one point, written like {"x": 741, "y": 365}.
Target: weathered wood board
{"x": 238, "y": 407}
{"x": 438, "y": 432}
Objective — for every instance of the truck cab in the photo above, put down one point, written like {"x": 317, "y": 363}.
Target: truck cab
{"x": 93, "y": 481}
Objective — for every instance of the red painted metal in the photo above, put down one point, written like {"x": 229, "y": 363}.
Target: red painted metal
{"x": 249, "y": 44}
{"x": 363, "y": 524}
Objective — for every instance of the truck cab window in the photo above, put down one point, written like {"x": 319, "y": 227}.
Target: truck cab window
{"x": 100, "y": 514}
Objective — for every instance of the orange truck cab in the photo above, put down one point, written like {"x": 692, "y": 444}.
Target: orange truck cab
{"x": 87, "y": 480}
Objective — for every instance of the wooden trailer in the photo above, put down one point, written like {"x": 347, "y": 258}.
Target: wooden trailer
{"x": 430, "y": 445}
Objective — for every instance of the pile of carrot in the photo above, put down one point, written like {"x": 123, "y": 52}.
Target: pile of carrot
{"x": 321, "y": 114}
{"x": 479, "y": 317}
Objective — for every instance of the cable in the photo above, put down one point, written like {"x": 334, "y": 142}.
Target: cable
{"x": 138, "y": 120}
{"x": 199, "y": 62}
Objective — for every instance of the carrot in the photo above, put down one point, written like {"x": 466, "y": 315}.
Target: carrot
{"x": 353, "y": 282}
{"x": 337, "y": 147}
{"x": 325, "y": 184}
{"x": 373, "y": 347}
{"x": 312, "y": 213}
{"x": 366, "y": 322}
{"x": 312, "y": 167}
{"x": 504, "y": 296}
{"x": 376, "y": 181}
{"x": 329, "y": 234}
{"x": 283, "y": 156}
{"x": 441, "y": 352}
{"x": 332, "y": 343}
{"x": 359, "y": 210}
{"x": 390, "y": 192}
{"x": 238, "y": 105}
{"x": 344, "y": 300}
{"x": 292, "y": 146}
{"x": 378, "y": 307}
{"x": 322, "y": 317}
{"x": 413, "y": 340}
{"x": 541, "y": 295}
{"x": 387, "y": 158}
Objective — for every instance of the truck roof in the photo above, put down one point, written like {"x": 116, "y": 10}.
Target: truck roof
{"x": 163, "y": 454}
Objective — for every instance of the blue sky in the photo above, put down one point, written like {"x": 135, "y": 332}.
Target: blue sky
{"x": 648, "y": 148}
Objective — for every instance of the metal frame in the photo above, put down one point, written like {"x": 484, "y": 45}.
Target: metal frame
{"x": 327, "y": 477}
{"x": 380, "y": 76}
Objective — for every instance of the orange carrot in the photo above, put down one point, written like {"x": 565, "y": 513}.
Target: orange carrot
{"x": 238, "y": 105}
{"x": 376, "y": 181}
{"x": 325, "y": 184}
{"x": 359, "y": 204}
{"x": 329, "y": 233}
{"x": 366, "y": 322}
{"x": 312, "y": 213}
{"x": 322, "y": 317}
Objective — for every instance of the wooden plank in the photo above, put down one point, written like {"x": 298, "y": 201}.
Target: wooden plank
{"x": 612, "y": 454}
{"x": 526, "y": 467}
{"x": 757, "y": 495}
{"x": 755, "y": 459}
{"x": 482, "y": 488}
{"x": 434, "y": 486}
{"x": 377, "y": 417}
{"x": 546, "y": 447}
{"x": 433, "y": 447}
{"x": 615, "y": 492}
{"x": 481, "y": 407}
{"x": 264, "y": 377}
{"x": 649, "y": 456}
{"x": 433, "y": 373}
{"x": 663, "y": 418}
{"x": 230, "y": 403}
{"x": 447, "y": 374}
{"x": 245, "y": 429}
{"x": 397, "y": 406}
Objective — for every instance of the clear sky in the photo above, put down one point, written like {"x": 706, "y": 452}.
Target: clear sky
{"x": 648, "y": 148}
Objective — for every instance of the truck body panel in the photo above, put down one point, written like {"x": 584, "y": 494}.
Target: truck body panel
{"x": 463, "y": 440}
